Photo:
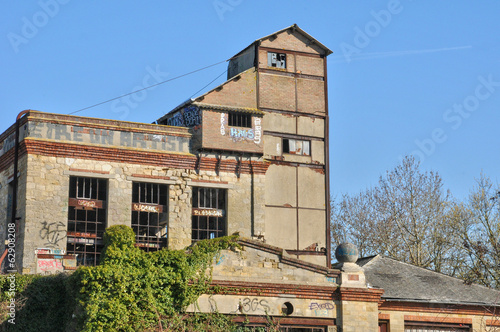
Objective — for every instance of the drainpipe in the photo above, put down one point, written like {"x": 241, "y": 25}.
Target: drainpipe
{"x": 14, "y": 180}
{"x": 327, "y": 171}
{"x": 16, "y": 159}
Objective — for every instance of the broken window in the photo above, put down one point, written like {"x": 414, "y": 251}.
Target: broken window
{"x": 86, "y": 219}
{"x": 149, "y": 215}
{"x": 276, "y": 60}
{"x": 295, "y": 146}
{"x": 209, "y": 213}
{"x": 239, "y": 120}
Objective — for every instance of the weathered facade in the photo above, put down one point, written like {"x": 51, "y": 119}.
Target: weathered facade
{"x": 274, "y": 106}
{"x": 248, "y": 157}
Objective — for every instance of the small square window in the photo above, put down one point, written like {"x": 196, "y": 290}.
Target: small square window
{"x": 239, "y": 120}
{"x": 276, "y": 60}
{"x": 295, "y": 146}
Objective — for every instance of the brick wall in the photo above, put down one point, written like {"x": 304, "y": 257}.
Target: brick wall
{"x": 244, "y": 88}
{"x": 217, "y": 134}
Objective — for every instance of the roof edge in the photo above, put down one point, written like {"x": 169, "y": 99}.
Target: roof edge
{"x": 295, "y": 27}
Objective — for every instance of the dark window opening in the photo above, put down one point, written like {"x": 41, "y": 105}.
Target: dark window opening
{"x": 150, "y": 215}
{"x": 276, "y": 60}
{"x": 209, "y": 213}
{"x": 86, "y": 219}
{"x": 239, "y": 120}
{"x": 295, "y": 146}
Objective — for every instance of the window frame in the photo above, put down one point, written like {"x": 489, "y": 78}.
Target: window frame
{"x": 239, "y": 119}
{"x": 208, "y": 218}
{"x": 150, "y": 215}
{"x": 287, "y": 144}
{"x": 280, "y": 60}
{"x": 86, "y": 218}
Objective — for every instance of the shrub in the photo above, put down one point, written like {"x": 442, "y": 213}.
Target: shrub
{"x": 130, "y": 290}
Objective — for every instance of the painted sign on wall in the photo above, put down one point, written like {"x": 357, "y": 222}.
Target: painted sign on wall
{"x": 108, "y": 137}
{"x": 208, "y": 212}
{"x": 87, "y": 204}
{"x": 147, "y": 208}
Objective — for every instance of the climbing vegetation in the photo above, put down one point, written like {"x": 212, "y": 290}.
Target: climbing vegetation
{"x": 131, "y": 290}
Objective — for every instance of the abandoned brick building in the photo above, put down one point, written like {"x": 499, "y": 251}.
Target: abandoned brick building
{"x": 250, "y": 156}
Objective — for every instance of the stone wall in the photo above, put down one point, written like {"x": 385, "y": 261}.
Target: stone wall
{"x": 252, "y": 265}
{"x": 47, "y": 193}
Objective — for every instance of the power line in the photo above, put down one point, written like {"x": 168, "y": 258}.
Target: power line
{"x": 225, "y": 71}
{"x": 148, "y": 87}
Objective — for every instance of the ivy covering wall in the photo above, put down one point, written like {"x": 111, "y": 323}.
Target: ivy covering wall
{"x": 131, "y": 290}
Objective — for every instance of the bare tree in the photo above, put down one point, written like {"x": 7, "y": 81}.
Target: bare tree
{"x": 478, "y": 224}
{"x": 404, "y": 217}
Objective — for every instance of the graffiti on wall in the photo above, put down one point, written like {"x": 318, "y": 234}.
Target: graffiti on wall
{"x": 223, "y": 124}
{"x": 331, "y": 279}
{"x": 258, "y": 130}
{"x": 192, "y": 116}
{"x": 187, "y": 117}
{"x": 321, "y": 309}
{"x": 49, "y": 265}
{"x": 242, "y": 134}
{"x": 239, "y": 134}
{"x": 220, "y": 259}
{"x": 253, "y": 305}
{"x": 176, "y": 120}
{"x": 52, "y": 233}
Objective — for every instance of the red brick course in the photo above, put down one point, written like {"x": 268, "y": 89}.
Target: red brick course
{"x": 180, "y": 161}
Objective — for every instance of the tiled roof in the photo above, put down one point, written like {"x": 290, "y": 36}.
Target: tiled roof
{"x": 228, "y": 108}
{"x": 406, "y": 282}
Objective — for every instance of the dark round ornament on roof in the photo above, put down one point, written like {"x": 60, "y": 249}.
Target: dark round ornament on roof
{"x": 346, "y": 253}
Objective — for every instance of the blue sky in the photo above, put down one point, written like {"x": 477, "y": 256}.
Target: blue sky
{"x": 419, "y": 76}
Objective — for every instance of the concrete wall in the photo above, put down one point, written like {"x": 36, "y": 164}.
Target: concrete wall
{"x": 294, "y": 102}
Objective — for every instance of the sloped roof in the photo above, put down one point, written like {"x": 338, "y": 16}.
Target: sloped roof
{"x": 228, "y": 108}
{"x": 295, "y": 27}
{"x": 213, "y": 107}
{"x": 406, "y": 282}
